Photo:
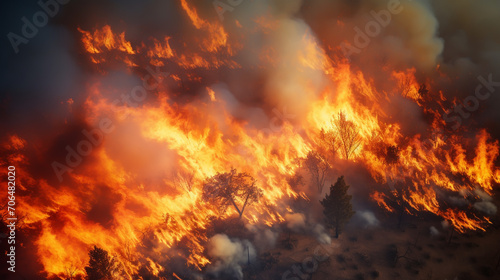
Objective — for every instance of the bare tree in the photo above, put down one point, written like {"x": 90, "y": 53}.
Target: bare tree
{"x": 408, "y": 252}
{"x": 184, "y": 180}
{"x": 231, "y": 188}
{"x": 70, "y": 272}
{"x": 329, "y": 139}
{"x": 318, "y": 168}
{"x": 348, "y": 135}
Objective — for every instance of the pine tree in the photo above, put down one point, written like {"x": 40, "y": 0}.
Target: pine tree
{"x": 100, "y": 265}
{"x": 337, "y": 206}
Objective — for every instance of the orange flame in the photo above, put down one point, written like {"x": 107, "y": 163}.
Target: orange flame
{"x": 201, "y": 138}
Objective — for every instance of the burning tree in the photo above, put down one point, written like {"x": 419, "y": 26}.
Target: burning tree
{"x": 231, "y": 188}
{"x": 318, "y": 168}
{"x": 337, "y": 206}
{"x": 329, "y": 140}
{"x": 70, "y": 272}
{"x": 100, "y": 264}
{"x": 184, "y": 180}
{"x": 347, "y": 134}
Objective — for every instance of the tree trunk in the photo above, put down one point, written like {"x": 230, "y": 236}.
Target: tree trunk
{"x": 236, "y": 207}
{"x": 244, "y": 205}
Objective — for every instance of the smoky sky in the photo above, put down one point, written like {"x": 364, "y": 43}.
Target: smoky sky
{"x": 460, "y": 36}
{"x": 50, "y": 68}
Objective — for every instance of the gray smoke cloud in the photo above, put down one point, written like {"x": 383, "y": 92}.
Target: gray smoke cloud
{"x": 434, "y": 231}
{"x": 368, "y": 218}
{"x": 487, "y": 207}
{"x": 464, "y": 41}
{"x": 486, "y": 204}
{"x": 264, "y": 237}
{"x": 229, "y": 255}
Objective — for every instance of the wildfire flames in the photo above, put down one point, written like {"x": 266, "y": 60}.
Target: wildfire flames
{"x": 200, "y": 137}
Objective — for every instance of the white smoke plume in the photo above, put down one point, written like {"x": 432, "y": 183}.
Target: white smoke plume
{"x": 434, "y": 231}
{"x": 321, "y": 235}
{"x": 229, "y": 255}
{"x": 487, "y": 207}
{"x": 486, "y": 204}
{"x": 264, "y": 238}
{"x": 368, "y": 218}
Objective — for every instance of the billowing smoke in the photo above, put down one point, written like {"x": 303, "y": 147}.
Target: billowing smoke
{"x": 321, "y": 234}
{"x": 427, "y": 35}
{"x": 229, "y": 255}
{"x": 419, "y": 34}
{"x": 480, "y": 200}
{"x": 367, "y": 218}
{"x": 264, "y": 237}
{"x": 486, "y": 204}
{"x": 487, "y": 207}
{"x": 434, "y": 231}
{"x": 297, "y": 223}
